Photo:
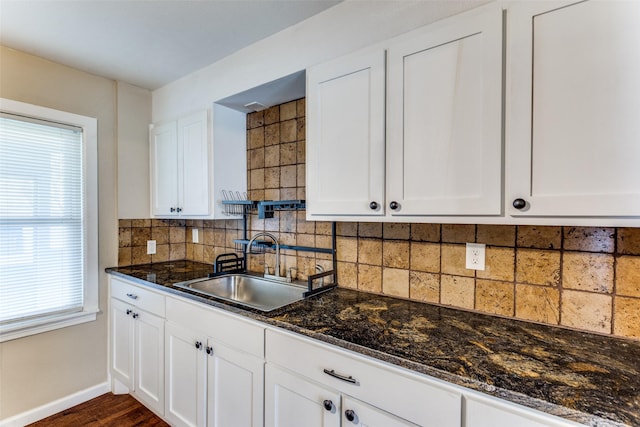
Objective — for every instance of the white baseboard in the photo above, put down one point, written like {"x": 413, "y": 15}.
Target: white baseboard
{"x": 56, "y": 406}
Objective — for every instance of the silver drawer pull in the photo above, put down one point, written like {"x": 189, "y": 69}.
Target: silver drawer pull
{"x": 348, "y": 379}
{"x": 132, "y": 296}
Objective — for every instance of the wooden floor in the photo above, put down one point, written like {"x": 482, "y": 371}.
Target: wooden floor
{"x": 109, "y": 409}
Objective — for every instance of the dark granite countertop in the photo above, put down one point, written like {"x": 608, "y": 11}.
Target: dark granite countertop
{"x": 587, "y": 378}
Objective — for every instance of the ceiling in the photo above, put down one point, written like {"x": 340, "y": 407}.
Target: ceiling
{"x": 147, "y": 43}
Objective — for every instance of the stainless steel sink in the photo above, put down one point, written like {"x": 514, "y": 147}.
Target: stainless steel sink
{"x": 256, "y": 292}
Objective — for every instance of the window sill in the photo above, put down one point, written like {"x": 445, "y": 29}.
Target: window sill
{"x": 33, "y": 327}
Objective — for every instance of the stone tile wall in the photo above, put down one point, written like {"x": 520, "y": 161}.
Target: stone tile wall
{"x": 579, "y": 277}
{"x": 170, "y": 237}
{"x": 171, "y": 240}
{"x": 585, "y": 278}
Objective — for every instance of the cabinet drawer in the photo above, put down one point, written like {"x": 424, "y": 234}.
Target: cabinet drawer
{"x": 137, "y": 296}
{"x": 412, "y": 397}
{"x": 234, "y": 332}
{"x": 487, "y": 411}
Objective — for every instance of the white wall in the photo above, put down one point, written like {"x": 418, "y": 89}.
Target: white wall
{"x": 133, "y": 118}
{"x": 39, "y": 369}
{"x": 339, "y": 30}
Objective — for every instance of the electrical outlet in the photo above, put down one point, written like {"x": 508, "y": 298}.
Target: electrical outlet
{"x": 475, "y": 256}
{"x": 194, "y": 235}
{"x": 151, "y": 247}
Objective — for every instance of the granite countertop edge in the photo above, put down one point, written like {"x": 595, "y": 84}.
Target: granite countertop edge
{"x": 578, "y": 416}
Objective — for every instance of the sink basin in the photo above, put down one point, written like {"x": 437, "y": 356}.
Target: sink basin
{"x": 256, "y": 292}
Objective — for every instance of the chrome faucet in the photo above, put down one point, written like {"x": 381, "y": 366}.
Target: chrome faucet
{"x": 276, "y": 274}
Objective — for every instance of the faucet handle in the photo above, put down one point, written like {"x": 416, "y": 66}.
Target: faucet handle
{"x": 266, "y": 268}
{"x": 289, "y": 274}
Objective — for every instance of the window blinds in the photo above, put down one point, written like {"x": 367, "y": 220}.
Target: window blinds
{"x": 41, "y": 219}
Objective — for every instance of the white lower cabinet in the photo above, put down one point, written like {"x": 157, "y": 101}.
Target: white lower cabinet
{"x": 137, "y": 343}
{"x": 309, "y": 383}
{"x": 122, "y": 343}
{"x": 149, "y": 360}
{"x": 185, "y": 377}
{"x": 210, "y": 382}
{"x": 235, "y": 388}
{"x": 291, "y": 400}
{"x": 199, "y": 366}
{"x": 487, "y": 411}
{"x": 302, "y": 375}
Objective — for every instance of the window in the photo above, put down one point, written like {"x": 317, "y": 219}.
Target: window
{"x": 48, "y": 265}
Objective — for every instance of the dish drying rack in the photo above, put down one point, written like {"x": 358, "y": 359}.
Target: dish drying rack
{"x": 238, "y": 204}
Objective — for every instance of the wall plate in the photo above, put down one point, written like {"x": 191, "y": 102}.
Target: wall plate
{"x": 475, "y": 256}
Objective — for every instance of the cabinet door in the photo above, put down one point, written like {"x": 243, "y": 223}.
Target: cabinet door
{"x": 185, "y": 377}
{"x": 163, "y": 152}
{"x": 345, "y": 136}
{"x": 356, "y": 413}
{"x": 573, "y": 105}
{"x": 229, "y": 167}
{"x": 292, "y": 401}
{"x": 149, "y": 359}
{"x": 193, "y": 157}
{"x": 122, "y": 342}
{"x": 235, "y": 388}
{"x": 444, "y": 138}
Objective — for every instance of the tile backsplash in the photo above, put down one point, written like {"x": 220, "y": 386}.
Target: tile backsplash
{"x": 585, "y": 278}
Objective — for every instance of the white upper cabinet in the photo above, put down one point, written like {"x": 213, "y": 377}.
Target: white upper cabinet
{"x": 345, "y": 135}
{"x": 444, "y": 119}
{"x": 193, "y": 161}
{"x": 180, "y": 167}
{"x": 573, "y": 109}
{"x": 164, "y": 168}
{"x": 422, "y": 141}
{"x": 194, "y": 179}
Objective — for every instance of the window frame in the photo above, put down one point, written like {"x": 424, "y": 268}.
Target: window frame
{"x": 89, "y": 126}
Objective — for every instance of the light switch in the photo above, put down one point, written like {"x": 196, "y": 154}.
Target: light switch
{"x": 151, "y": 247}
